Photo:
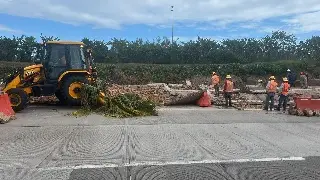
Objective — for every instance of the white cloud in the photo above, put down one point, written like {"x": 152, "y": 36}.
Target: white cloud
{"x": 307, "y": 22}
{"x": 10, "y": 30}
{"x": 114, "y": 14}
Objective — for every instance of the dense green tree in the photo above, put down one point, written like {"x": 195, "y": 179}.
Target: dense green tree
{"x": 279, "y": 45}
{"x": 9, "y": 48}
{"x": 27, "y": 48}
{"x": 100, "y": 49}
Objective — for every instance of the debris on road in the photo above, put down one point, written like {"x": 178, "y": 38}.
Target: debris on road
{"x": 155, "y": 93}
{"x": 308, "y": 112}
{"x": 119, "y": 106}
{"x": 5, "y": 119}
{"x": 44, "y": 100}
{"x": 305, "y": 106}
{"x": 162, "y": 94}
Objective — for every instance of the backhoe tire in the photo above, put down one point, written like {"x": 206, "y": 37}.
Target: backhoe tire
{"x": 18, "y": 98}
{"x": 61, "y": 98}
{"x": 70, "y": 89}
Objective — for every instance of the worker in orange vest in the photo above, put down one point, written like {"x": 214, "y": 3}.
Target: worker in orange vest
{"x": 215, "y": 79}
{"x": 283, "y": 99}
{"x": 271, "y": 87}
{"x": 228, "y": 90}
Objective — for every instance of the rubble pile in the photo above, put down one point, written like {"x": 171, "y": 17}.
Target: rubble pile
{"x": 293, "y": 110}
{"x": 154, "y": 92}
{"x": 188, "y": 93}
{"x": 308, "y": 112}
{"x": 159, "y": 93}
{"x": 240, "y": 101}
{"x": 311, "y": 92}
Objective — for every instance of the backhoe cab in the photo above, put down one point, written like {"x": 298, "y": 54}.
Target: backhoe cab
{"x": 62, "y": 71}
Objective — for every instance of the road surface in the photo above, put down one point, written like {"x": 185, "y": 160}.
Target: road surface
{"x": 181, "y": 143}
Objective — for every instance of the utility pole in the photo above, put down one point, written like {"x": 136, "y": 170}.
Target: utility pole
{"x": 172, "y": 26}
{"x": 172, "y": 35}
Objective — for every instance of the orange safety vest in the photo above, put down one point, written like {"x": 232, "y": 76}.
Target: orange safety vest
{"x": 215, "y": 79}
{"x": 273, "y": 87}
{"x": 229, "y": 86}
{"x": 285, "y": 88}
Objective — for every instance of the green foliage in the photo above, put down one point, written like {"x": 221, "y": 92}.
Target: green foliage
{"x": 125, "y": 105}
{"x": 177, "y": 73}
{"x": 89, "y": 96}
{"x": 22, "y": 48}
{"x": 273, "y": 47}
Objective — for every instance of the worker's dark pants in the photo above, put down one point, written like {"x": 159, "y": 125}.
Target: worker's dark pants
{"x": 227, "y": 96}
{"x": 216, "y": 89}
{"x": 269, "y": 97}
{"x": 291, "y": 84}
{"x": 283, "y": 101}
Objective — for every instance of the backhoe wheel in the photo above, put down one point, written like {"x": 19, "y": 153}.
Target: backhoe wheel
{"x": 18, "y": 98}
{"x": 71, "y": 88}
{"x": 60, "y": 96}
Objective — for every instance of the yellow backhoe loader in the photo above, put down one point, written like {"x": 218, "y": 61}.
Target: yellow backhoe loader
{"x": 62, "y": 71}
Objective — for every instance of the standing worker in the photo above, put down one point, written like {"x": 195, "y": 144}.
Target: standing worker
{"x": 303, "y": 80}
{"x": 228, "y": 90}
{"x": 271, "y": 91}
{"x": 283, "y": 100}
{"x": 215, "y": 79}
{"x": 291, "y": 78}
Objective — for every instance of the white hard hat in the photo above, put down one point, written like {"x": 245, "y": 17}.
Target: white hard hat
{"x": 288, "y": 70}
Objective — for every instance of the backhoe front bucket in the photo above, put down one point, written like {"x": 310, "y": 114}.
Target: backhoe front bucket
{"x": 101, "y": 98}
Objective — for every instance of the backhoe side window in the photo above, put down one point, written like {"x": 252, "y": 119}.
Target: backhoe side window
{"x": 57, "y": 56}
{"x": 76, "y": 61}
{"x": 57, "y": 62}
{"x": 84, "y": 59}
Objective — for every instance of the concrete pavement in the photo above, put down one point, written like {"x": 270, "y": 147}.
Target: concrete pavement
{"x": 181, "y": 143}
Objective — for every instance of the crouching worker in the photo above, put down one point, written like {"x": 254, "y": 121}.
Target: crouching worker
{"x": 228, "y": 90}
{"x": 303, "y": 80}
{"x": 260, "y": 83}
{"x": 283, "y": 100}
{"x": 271, "y": 91}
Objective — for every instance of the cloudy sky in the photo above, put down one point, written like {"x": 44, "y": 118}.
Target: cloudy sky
{"x": 105, "y": 19}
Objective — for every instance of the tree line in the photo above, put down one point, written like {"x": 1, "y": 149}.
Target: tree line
{"x": 279, "y": 45}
